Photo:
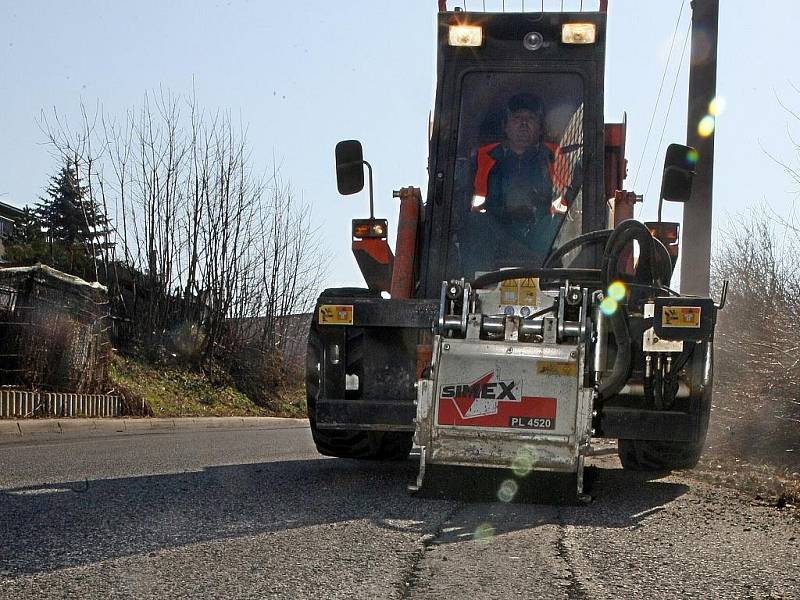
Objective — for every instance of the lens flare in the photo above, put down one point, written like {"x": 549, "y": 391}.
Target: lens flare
{"x": 717, "y": 106}
{"x": 692, "y": 156}
{"x": 617, "y": 291}
{"x": 508, "y": 489}
{"x": 484, "y": 533}
{"x": 609, "y": 306}
{"x": 523, "y": 462}
{"x": 706, "y": 126}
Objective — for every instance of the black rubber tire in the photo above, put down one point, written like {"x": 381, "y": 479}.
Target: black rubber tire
{"x": 369, "y": 445}
{"x": 392, "y": 445}
{"x": 653, "y": 455}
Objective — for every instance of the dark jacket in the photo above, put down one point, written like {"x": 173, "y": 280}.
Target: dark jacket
{"x": 517, "y": 186}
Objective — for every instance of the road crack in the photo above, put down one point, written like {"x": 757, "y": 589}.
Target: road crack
{"x": 575, "y": 590}
{"x": 409, "y": 583}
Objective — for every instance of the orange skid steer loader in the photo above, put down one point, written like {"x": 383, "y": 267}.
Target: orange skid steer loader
{"x": 517, "y": 318}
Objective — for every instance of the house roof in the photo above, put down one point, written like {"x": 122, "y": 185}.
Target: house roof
{"x": 10, "y": 212}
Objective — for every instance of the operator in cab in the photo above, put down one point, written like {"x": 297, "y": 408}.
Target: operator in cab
{"x": 513, "y": 186}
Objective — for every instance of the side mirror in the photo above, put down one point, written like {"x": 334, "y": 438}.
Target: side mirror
{"x": 349, "y": 167}
{"x": 679, "y": 170}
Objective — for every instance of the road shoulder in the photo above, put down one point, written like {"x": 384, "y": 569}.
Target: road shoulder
{"x": 24, "y": 429}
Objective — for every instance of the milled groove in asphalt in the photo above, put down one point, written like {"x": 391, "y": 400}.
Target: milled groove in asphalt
{"x": 575, "y": 590}
{"x": 513, "y": 555}
{"x": 408, "y": 585}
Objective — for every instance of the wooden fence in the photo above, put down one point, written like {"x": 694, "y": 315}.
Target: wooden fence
{"x": 19, "y": 403}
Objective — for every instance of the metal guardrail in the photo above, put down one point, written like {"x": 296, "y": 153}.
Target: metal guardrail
{"x": 20, "y": 403}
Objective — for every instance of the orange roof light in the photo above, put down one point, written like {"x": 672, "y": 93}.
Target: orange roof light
{"x": 369, "y": 228}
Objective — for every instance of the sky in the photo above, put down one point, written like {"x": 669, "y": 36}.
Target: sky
{"x": 304, "y": 75}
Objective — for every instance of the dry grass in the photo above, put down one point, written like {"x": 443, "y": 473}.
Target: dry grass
{"x": 754, "y": 433}
{"x": 170, "y": 391}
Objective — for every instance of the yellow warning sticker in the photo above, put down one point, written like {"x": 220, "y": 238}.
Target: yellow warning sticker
{"x": 528, "y": 291}
{"x": 680, "y": 316}
{"x": 509, "y": 291}
{"x": 519, "y": 291}
{"x": 551, "y": 367}
{"x": 336, "y": 314}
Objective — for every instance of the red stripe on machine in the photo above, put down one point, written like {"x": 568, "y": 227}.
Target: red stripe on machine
{"x": 493, "y": 413}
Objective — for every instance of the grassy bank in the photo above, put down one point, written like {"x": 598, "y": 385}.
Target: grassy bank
{"x": 171, "y": 391}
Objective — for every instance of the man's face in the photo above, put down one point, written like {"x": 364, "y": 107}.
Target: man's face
{"x": 523, "y": 129}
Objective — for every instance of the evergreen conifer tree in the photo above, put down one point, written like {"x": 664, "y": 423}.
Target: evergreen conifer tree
{"x": 74, "y": 230}
{"x": 27, "y": 229}
{"x": 69, "y": 216}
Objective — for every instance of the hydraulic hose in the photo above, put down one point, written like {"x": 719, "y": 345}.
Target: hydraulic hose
{"x": 655, "y": 269}
{"x": 651, "y": 269}
{"x": 661, "y": 389}
{"x": 624, "y": 233}
{"x": 581, "y": 240}
{"x": 663, "y": 262}
{"x": 578, "y": 275}
{"x": 622, "y": 361}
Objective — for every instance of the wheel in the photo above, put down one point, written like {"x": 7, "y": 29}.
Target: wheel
{"x": 658, "y": 455}
{"x": 391, "y": 445}
{"x": 374, "y": 445}
{"x": 654, "y": 455}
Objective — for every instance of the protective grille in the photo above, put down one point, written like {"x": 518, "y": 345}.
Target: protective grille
{"x": 530, "y": 6}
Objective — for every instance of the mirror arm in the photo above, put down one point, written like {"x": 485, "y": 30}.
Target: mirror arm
{"x": 723, "y": 295}
{"x": 660, "y": 204}
{"x": 371, "y": 201}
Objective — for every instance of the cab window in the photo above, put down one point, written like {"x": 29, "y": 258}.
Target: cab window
{"x": 517, "y": 189}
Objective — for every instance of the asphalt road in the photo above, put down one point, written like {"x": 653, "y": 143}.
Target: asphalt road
{"x": 255, "y": 512}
